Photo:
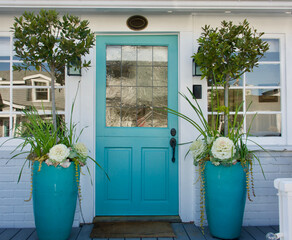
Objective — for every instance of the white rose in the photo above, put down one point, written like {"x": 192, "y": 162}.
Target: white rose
{"x": 81, "y": 149}
{"x": 197, "y": 148}
{"x": 223, "y": 148}
{"x": 59, "y": 153}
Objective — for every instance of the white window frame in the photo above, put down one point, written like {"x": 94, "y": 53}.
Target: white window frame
{"x": 270, "y": 140}
{"x": 5, "y": 84}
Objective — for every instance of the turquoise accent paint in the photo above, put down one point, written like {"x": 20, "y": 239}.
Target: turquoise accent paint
{"x": 54, "y": 200}
{"x": 143, "y": 179}
{"x": 225, "y": 195}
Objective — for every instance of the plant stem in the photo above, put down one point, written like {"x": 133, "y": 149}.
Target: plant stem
{"x": 53, "y": 78}
{"x": 226, "y": 94}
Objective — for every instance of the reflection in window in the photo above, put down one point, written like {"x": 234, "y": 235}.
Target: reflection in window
{"x": 136, "y": 80}
{"x": 20, "y": 90}
{"x": 258, "y": 93}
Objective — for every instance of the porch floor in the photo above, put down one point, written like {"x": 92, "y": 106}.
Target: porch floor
{"x": 183, "y": 231}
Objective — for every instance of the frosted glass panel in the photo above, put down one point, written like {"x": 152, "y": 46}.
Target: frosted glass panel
{"x": 136, "y": 80}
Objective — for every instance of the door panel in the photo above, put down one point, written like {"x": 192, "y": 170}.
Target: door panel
{"x": 136, "y": 78}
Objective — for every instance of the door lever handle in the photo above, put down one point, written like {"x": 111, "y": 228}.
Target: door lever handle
{"x": 173, "y": 144}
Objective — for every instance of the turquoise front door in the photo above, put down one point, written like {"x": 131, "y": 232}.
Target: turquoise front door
{"x": 136, "y": 79}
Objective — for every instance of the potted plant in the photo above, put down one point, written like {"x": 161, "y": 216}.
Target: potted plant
{"x": 49, "y": 42}
{"x": 221, "y": 152}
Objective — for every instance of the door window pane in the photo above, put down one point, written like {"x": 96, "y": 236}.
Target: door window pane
{"x": 145, "y": 55}
{"x": 136, "y": 83}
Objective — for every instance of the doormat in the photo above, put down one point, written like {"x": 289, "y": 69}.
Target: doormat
{"x": 132, "y": 230}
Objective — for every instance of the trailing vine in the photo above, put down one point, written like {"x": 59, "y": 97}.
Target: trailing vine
{"x": 202, "y": 165}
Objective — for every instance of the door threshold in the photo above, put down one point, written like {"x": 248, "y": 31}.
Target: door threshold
{"x": 172, "y": 219}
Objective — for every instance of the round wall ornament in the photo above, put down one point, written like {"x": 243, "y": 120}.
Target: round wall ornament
{"x": 137, "y": 22}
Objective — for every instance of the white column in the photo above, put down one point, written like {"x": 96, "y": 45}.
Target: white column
{"x": 284, "y": 186}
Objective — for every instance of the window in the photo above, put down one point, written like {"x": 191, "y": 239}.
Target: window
{"x": 42, "y": 93}
{"x": 20, "y": 90}
{"x": 261, "y": 93}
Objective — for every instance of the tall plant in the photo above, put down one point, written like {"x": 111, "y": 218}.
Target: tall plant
{"x": 49, "y": 42}
{"x": 228, "y": 52}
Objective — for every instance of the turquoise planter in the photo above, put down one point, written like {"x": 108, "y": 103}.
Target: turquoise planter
{"x": 54, "y": 201}
{"x": 225, "y": 195}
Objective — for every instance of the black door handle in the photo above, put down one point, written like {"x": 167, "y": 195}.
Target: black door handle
{"x": 173, "y": 144}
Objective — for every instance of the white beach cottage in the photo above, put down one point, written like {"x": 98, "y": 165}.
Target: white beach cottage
{"x": 133, "y": 74}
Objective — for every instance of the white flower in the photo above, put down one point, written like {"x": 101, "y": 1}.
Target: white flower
{"x": 197, "y": 148}
{"x": 223, "y": 148}
{"x": 59, "y": 153}
{"x": 216, "y": 163}
{"x": 81, "y": 149}
{"x": 65, "y": 164}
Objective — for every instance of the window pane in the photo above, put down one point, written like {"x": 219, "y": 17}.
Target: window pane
{"x": 113, "y": 117}
{"x": 144, "y": 96}
{"x": 4, "y": 126}
{"x": 4, "y": 99}
{"x": 113, "y": 96}
{"x": 273, "y": 54}
{"x": 19, "y": 119}
{"x": 160, "y": 97}
{"x": 233, "y": 82}
{"x": 263, "y": 99}
{"x": 4, "y": 48}
{"x": 160, "y": 56}
{"x": 4, "y": 74}
{"x": 129, "y": 96}
{"x": 160, "y": 76}
{"x": 144, "y": 117}
{"x": 264, "y": 124}
{"x": 144, "y": 55}
{"x": 144, "y": 76}
{"x": 113, "y": 74}
{"x": 235, "y": 99}
{"x": 159, "y": 118}
{"x": 264, "y": 75}
{"x": 113, "y": 53}
{"x": 60, "y": 99}
{"x": 129, "y": 117}
{"x": 129, "y": 75}
{"x": 129, "y": 55}
{"x": 219, "y": 122}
